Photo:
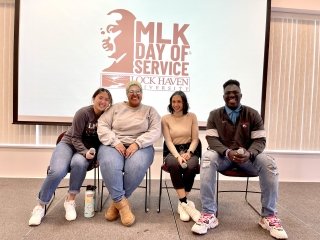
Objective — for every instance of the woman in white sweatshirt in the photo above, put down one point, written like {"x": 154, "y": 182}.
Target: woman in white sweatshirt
{"x": 127, "y": 133}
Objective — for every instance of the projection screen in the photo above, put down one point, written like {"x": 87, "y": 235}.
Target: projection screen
{"x": 65, "y": 49}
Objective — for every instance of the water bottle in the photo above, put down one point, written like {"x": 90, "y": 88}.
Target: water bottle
{"x": 89, "y": 201}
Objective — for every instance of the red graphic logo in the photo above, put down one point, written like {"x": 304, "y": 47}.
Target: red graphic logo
{"x": 141, "y": 51}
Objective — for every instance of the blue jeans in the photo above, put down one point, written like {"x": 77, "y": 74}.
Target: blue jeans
{"x": 64, "y": 159}
{"x": 263, "y": 165}
{"x": 122, "y": 176}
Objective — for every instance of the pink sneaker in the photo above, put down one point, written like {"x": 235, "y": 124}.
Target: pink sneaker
{"x": 273, "y": 225}
{"x": 205, "y": 222}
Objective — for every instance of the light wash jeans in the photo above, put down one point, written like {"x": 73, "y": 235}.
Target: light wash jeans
{"x": 122, "y": 176}
{"x": 64, "y": 159}
{"x": 263, "y": 165}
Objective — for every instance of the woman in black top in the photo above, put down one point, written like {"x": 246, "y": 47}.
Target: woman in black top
{"x": 74, "y": 153}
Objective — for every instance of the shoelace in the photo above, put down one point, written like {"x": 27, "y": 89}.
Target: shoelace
{"x": 204, "y": 218}
{"x": 37, "y": 211}
{"x": 274, "y": 221}
{"x": 71, "y": 205}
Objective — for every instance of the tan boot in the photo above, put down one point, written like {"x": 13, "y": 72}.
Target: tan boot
{"x": 112, "y": 212}
{"x": 127, "y": 217}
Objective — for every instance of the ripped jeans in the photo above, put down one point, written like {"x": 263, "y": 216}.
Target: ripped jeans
{"x": 64, "y": 159}
{"x": 263, "y": 165}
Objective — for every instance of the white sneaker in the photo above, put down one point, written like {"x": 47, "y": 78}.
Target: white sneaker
{"x": 184, "y": 216}
{"x": 71, "y": 213}
{"x": 37, "y": 215}
{"x": 205, "y": 222}
{"x": 191, "y": 210}
{"x": 273, "y": 225}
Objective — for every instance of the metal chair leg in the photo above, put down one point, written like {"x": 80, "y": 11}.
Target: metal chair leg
{"x": 246, "y": 197}
{"x": 146, "y": 196}
{"x": 160, "y": 192}
{"x": 217, "y": 194}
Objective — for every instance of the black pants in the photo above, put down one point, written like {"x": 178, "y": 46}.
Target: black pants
{"x": 182, "y": 178}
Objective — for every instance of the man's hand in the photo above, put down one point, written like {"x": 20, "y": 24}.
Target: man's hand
{"x": 239, "y": 156}
{"x": 90, "y": 153}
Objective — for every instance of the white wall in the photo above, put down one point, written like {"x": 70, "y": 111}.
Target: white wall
{"x": 33, "y": 162}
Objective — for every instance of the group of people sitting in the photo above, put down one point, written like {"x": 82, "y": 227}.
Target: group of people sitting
{"x": 123, "y": 135}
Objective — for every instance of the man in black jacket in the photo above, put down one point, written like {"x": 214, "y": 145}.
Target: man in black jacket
{"x": 236, "y": 138}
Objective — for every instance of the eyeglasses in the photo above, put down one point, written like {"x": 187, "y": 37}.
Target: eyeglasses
{"x": 138, "y": 92}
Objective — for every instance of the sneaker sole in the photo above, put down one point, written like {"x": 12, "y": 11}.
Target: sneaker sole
{"x": 184, "y": 219}
{"x": 34, "y": 224}
{"x": 70, "y": 219}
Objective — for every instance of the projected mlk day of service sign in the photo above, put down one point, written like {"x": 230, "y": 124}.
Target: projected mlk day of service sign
{"x": 69, "y": 48}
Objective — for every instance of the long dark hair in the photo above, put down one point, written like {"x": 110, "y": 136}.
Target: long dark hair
{"x": 100, "y": 90}
{"x": 184, "y": 102}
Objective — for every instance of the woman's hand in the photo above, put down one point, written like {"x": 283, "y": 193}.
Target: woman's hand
{"x": 131, "y": 150}
{"x": 121, "y": 149}
{"x": 186, "y": 156}
{"x": 181, "y": 159}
